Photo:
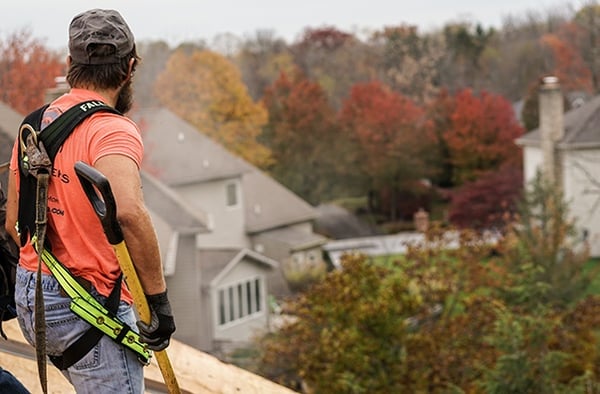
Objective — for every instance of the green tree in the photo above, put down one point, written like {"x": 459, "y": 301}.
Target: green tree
{"x": 545, "y": 255}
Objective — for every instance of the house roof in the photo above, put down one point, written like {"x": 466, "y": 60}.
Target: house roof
{"x": 177, "y": 153}
{"x": 9, "y": 128}
{"x": 582, "y": 128}
{"x": 167, "y": 204}
{"x": 9, "y": 121}
{"x": 269, "y": 205}
{"x": 296, "y": 239}
{"x": 217, "y": 263}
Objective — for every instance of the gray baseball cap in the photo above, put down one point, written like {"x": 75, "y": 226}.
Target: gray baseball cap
{"x": 99, "y": 26}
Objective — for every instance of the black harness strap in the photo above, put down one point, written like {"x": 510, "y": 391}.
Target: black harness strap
{"x": 87, "y": 341}
{"x": 53, "y": 137}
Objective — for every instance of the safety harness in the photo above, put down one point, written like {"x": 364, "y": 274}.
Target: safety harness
{"x": 37, "y": 150}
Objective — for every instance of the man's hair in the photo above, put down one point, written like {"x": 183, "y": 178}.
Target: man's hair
{"x": 101, "y": 76}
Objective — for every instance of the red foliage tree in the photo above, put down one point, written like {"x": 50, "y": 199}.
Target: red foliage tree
{"x": 481, "y": 135}
{"x": 27, "y": 70}
{"x": 488, "y": 201}
{"x": 300, "y": 132}
{"x": 569, "y": 64}
{"x": 389, "y": 132}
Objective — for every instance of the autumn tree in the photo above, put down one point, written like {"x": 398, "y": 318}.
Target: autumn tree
{"x": 206, "y": 89}
{"x": 568, "y": 62}
{"x": 489, "y": 201}
{"x": 335, "y": 59}
{"x": 588, "y": 41}
{"x": 261, "y": 59}
{"x": 459, "y": 312}
{"x": 27, "y": 70}
{"x": 410, "y": 61}
{"x": 389, "y": 133}
{"x": 154, "y": 58}
{"x": 481, "y": 135}
{"x": 308, "y": 150}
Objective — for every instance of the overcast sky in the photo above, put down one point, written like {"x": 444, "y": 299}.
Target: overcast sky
{"x": 180, "y": 20}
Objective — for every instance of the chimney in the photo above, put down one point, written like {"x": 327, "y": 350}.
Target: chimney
{"x": 61, "y": 88}
{"x": 551, "y": 127}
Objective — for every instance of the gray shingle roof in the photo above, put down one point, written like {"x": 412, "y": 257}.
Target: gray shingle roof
{"x": 582, "y": 128}
{"x": 165, "y": 203}
{"x": 270, "y": 205}
{"x": 177, "y": 153}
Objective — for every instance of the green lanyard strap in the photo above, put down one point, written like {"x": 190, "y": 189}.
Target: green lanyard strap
{"x": 89, "y": 309}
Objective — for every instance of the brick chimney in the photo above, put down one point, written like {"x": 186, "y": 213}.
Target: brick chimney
{"x": 551, "y": 127}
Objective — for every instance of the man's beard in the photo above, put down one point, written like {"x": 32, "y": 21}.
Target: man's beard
{"x": 125, "y": 98}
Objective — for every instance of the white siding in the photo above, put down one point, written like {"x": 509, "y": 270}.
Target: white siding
{"x": 582, "y": 192}
{"x": 532, "y": 162}
{"x": 227, "y": 222}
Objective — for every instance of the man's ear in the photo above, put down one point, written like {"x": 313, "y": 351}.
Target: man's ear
{"x": 68, "y": 60}
{"x": 130, "y": 72}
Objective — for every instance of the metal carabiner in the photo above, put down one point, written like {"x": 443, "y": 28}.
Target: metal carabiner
{"x": 24, "y": 158}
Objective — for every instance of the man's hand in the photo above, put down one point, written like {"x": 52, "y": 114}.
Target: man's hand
{"x": 157, "y": 334}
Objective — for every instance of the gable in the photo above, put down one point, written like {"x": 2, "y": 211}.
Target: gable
{"x": 217, "y": 264}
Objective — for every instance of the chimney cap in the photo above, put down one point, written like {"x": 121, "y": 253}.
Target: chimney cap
{"x": 550, "y": 80}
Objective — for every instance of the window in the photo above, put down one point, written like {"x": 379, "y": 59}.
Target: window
{"x": 240, "y": 300}
{"x": 232, "y": 194}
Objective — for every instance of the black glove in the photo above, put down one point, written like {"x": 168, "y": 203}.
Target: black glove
{"x": 158, "y": 333}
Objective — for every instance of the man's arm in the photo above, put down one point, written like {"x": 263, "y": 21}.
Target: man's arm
{"x": 12, "y": 208}
{"x": 134, "y": 219}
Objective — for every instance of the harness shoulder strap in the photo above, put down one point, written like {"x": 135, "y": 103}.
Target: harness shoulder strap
{"x": 52, "y": 137}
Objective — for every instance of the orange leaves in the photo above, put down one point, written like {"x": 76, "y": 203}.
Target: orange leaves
{"x": 480, "y": 134}
{"x": 27, "y": 69}
{"x": 206, "y": 89}
{"x": 569, "y": 64}
{"x": 387, "y": 127}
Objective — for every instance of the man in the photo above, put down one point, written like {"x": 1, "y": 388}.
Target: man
{"x": 101, "y": 63}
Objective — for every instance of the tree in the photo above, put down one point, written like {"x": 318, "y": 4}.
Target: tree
{"x": 27, "y": 70}
{"x": 546, "y": 247}
{"x": 206, "y": 89}
{"x": 410, "y": 62}
{"x": 154, "y": 58}
{"x": 489, "y": 201}
{"x": 335, "y": 59}
{"x": 569, "y": 64}
{"x": 481, "y": 135}
{"x": 261, "y": 59}
{"x": 389, "y": 133}
{"x": 302, "y": 133}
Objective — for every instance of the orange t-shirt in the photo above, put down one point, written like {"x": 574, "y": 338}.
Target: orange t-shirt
{"x": 74, "y": 230}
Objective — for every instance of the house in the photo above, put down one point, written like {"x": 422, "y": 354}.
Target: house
{"x": 10, "y": 120}
{"x": 566, "y": 150}
{"x": 256, "y": 229}
{"x": 200, "y": 282}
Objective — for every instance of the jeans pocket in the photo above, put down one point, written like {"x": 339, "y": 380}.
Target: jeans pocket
{"x": 90, "y": 360}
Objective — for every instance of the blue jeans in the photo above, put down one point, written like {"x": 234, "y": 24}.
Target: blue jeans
{"x": 10, "y": 384}
{"x": 108, "y": 367}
